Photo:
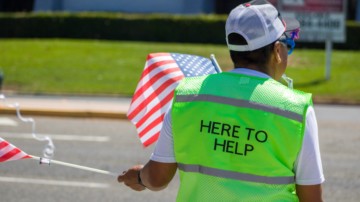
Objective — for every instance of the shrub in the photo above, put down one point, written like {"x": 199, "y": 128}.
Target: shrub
{"x": 135, "y": 27}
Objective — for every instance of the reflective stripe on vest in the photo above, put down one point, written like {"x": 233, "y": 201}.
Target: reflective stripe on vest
{"x": 235, "y": 175}
{"x": 240, "y": 103}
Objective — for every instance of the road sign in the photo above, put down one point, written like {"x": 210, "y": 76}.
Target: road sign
{"x": 320, "y": 20}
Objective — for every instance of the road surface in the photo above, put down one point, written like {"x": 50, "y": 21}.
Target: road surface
{"x": 112, "y": 145}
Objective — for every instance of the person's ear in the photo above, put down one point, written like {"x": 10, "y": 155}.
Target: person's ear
{"x": 277, "y": 52}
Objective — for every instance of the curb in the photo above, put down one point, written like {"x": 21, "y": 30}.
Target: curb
{"x": 120, "y": 114}
{"x": 334, "y": 101}
{"x": 66, "y": 113}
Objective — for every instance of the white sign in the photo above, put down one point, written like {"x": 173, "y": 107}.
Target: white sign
{"x": 293, "y": 2}
{"x": 320, "y": 20}
{"x": 320, "y": 26}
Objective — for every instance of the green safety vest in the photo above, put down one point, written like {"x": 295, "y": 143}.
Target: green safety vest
{"x": 236, "y": 138}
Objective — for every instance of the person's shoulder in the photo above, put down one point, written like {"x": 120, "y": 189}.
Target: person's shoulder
{"x": 304, "y": 94}
{"x": 293, "y": 99}
{"x": 285, "y": 88}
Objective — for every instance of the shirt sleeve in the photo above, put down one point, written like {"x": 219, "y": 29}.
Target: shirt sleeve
{"x": 308, "y": 166}
{"x": 164, "y": 149}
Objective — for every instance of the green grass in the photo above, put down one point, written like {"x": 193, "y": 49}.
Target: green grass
{"x": 307, "y": 68}
{"x": 81, "y": 66}
{"x": 113, "y": 67}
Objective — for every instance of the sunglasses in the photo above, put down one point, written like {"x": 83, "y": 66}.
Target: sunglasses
{"x": 289, "y": 42}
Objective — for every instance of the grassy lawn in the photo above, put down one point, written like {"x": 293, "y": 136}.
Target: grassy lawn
{"x": 113, "y": 68}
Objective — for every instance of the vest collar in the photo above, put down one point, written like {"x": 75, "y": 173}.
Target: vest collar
{"x": 250, "y": 72}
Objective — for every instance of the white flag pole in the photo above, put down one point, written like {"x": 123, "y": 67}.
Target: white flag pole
{"x": 49, "y": 162}
{"x": 216, "y": 64}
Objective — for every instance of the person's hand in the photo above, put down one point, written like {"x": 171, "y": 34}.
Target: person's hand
{"x": 130, "y": 178}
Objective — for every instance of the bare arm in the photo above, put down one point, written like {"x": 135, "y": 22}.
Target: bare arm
{"x": 154, "y": 175}
{"x": 309, "y": 193}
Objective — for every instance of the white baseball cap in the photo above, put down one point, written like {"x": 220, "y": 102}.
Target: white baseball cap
{"x": 259, "y": 22}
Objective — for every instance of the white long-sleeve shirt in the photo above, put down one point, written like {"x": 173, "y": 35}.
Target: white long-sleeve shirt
{"x": 308, "y": 167}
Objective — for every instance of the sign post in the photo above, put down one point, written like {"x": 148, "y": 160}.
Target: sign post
{"x": 320, "y": 20}
{"x": 328, "y": 51}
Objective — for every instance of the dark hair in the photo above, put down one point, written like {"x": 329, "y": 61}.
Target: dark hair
{"x": 259, "y": 57}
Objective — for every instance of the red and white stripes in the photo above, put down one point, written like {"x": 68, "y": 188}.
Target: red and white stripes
{"x": 153, "y": 95}
{"x": 9, "y": 152}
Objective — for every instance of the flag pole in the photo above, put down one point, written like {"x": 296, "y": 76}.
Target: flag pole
{"x": 215, "y": 63}
{"x": 49, "y": 161}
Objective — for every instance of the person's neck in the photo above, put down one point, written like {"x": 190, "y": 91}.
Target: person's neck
{"x": 256, "y": 68}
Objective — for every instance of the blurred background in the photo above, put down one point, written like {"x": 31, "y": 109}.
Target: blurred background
{"x": 96, "y": 50}
{"x": 99, "y": 47}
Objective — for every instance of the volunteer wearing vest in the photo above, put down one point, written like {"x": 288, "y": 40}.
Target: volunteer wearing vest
{"x": 240, "y": 135}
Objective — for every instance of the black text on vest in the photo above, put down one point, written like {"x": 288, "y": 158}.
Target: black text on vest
{"x": 235, "y": 139}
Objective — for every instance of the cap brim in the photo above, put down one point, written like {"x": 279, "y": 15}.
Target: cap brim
{"x": 291, "y": 24}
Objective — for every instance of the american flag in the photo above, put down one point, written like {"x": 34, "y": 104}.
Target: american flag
{"x": 9, "y": 152}
{"x": 154, "y": 92}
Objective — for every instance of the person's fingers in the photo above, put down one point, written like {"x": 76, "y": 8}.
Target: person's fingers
{"x": 120, "y": 178}
{"x": 137, "y": 187}
{"x": 130, "y": 178}
{"x": 134, "y": 186}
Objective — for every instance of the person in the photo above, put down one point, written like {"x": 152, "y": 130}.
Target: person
{"x": 240, "y": 135}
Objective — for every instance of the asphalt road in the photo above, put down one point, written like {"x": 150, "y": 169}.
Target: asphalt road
{"x": 339, "y": 133}
{"x": 104, "y": 144}
{"x": 112, "y": 145}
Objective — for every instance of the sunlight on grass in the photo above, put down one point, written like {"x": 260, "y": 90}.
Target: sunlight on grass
{"x": 114, "y": 67}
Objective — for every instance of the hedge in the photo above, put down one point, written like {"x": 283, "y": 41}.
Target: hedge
{"x": 165, "y": 28}
{"x": 137, "y": 27}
